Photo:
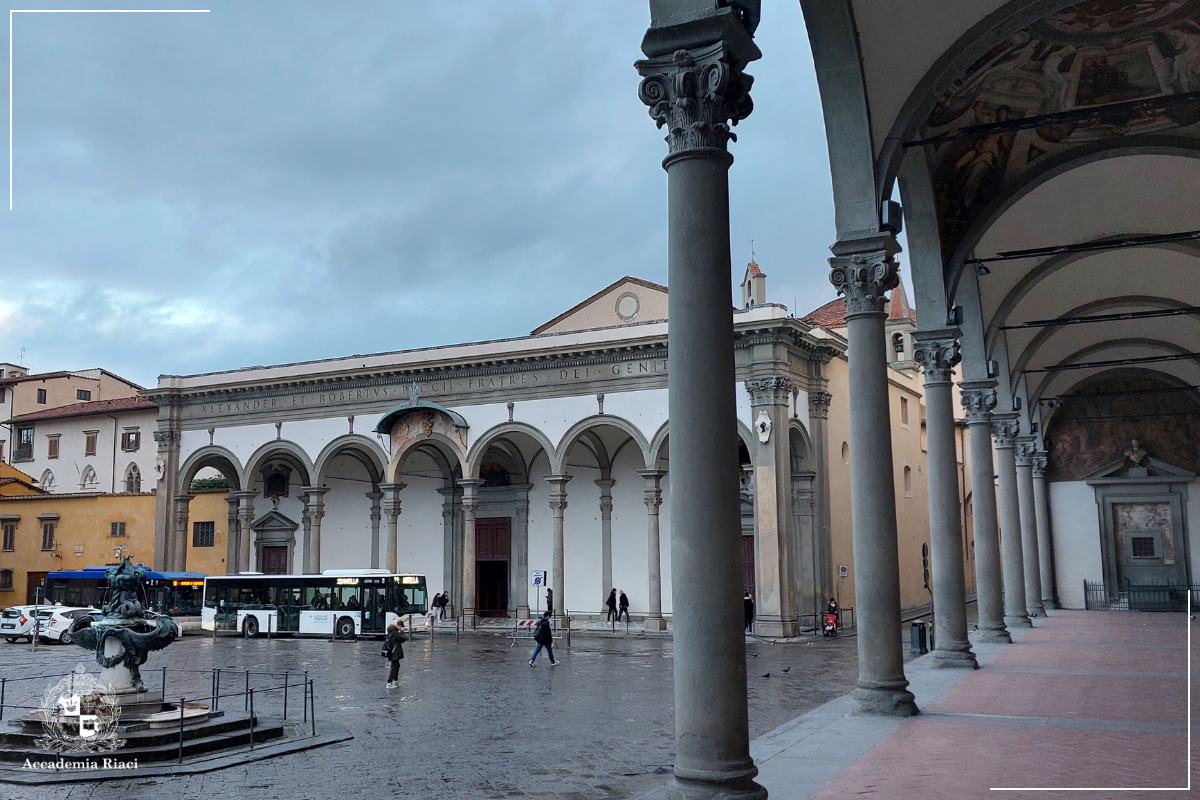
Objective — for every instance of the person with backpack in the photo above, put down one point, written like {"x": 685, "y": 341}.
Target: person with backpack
{"x": 611, "y": 603}
{"x": 544, "y": 636}
{"x": 393, "y": 652}
{"x": 624, "y": 607}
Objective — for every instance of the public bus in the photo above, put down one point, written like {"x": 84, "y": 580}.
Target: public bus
{"x": 177, "y": 594}
{"x": 339, "y": 602}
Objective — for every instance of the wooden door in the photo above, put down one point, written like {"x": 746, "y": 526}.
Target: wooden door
{"x": 493, "y": 545}
{"x": 748, "y": 565}
{"x": 35, "y": 581}
{"x": 274, "y": 560}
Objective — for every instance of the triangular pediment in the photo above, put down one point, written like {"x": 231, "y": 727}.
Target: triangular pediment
{"x": 1148, "y": 468}
{"x": 274, "y": 520}
{"x": 626, "y": 301}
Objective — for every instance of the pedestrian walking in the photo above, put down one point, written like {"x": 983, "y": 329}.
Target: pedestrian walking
{"x": 445, "y": 601}
{"x": 393, "y": 652}
{"x": 748, "y": 605}
{"x": 549, "y": 601}
{"x": 624, "y": 607}
{"x": 611, "y": 602}
{"x": 544, "y": 636}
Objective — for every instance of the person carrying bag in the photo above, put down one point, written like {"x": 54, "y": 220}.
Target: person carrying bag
{"x": 393, "y": 652}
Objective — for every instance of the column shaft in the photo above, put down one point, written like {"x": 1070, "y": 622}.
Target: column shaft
{"x": 606, "y": 577}
{"x": 246, "y": 518}
{"x": 653, "y": 499}
{"x": 1041, "y": 504}
{"x": 1029, "y": 534}
{"x": 1015, "y": 614}
{"x": 470, "y": 504}
{"x": 179, "y": 534}
{"x": 315, "y": 504}
{"x": 231, "y": 536}
{"x": 375, "y": 497}
{"x": 390, "y": 507}
{"x": 979, "y": 399}
{"x": 937, "y": 353}
{"x": 558, "y": 506}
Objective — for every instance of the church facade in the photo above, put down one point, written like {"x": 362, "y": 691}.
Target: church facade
{"x": 478, "y": 464}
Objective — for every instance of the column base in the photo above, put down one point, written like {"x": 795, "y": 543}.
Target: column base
{"x": 1036, "y": 611}
{"x": 654, "y": 625}
{"x": 776, "y": 627}
{"x": 1015, "y": 621}
{"x": 741, "y": 787}
{"x": 885, "y": 700}
{"x": 993, "y": 636}
{"x": 958, "y": 656}
{"x": 469, "y": 619}
{"x": 522, "y": 612}
{"x": 1050, "y": 605}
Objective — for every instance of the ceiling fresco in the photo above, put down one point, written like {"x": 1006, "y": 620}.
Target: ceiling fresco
{"x": 1119, "y": 69}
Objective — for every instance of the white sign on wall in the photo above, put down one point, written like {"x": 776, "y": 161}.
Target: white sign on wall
{"x": 843, "y": 571}
{"x": 539, "y": 577}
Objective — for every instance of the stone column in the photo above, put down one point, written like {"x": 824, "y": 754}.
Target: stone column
{"x": 936, "y": 351}
{"x": 558, "y": 506}
{"x": 179, "y": 540}
{"x": 1029, "y": 535}
{"x": 231, "y": 536}
{"x": 695, "y": 86}
{"x": 774, "y": 558}
{"x": 470, "y": 504}
{"x": 246, "y": 519}
{"x": 314, "y": 504}
{"x": 864, "y": 276}
{"x": 166, "y": 467}
{"x": 390, "y": 506}
{"x": 1041, "y": 505}
{"x": 979, "y": 399}
{"x": 818, "y": 417}
{"x": 653, "y": 499}
{"x": 375, "y": 497}
{"x": 606, "y": 506}
{"x": 1005, "y": 428}
{"x": 520, "y": 545}
{"x": 450, "y": 499}
{"x": 808, "y": 598}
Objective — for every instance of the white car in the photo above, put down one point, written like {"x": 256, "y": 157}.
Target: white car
{"x": 53, "y": 627}
{"x": 17, "y": 621}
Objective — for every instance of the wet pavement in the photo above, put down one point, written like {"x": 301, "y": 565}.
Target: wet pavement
{"x": 470, "y": 720}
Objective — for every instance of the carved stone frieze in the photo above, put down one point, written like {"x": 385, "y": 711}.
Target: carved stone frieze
{"x": 771, "y": 391}
{"x": 937, "y": 353}
{"x": 697, "y": 95}
{"x": 864, "y": 279}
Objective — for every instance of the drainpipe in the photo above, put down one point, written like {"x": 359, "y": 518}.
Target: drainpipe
{"x": 113, "y": 488}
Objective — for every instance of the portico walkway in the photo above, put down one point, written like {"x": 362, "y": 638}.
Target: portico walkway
{"x": 1086, "y": 699}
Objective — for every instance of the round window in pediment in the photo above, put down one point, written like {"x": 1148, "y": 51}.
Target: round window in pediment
{"x": 628, "y": 306}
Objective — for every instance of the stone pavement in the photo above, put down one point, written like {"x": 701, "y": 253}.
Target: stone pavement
{"x": 1087, "y": 699}
{"x": 471, "y": 720}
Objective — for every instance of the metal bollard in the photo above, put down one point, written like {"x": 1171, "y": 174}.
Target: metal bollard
{"x": 3, "y": 681}
{"x": 164, "y": 683}
{"x": 251, "y": 719}
{"x": 217, "y": 689}
{"x": 285, "y": 692}
{"x": 312, "y": 699}
{"x": 246, "y": 694}
{"x": 918, "y": 645}
{"x": 181, "y": 700}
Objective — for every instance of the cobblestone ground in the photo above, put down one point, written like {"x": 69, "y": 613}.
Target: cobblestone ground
{"x": 471, "y": 719}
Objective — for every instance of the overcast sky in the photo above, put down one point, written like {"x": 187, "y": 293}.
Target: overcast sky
{"x": 284, "y": 181}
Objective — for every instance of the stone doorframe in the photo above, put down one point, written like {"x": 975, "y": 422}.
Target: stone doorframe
{"x": 512, "y": 502}
{"x": 273, "y": 529}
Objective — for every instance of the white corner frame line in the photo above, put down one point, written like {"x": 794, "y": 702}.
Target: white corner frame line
{"x": 12, "y": 11}
{"x": 1188, "y": 788}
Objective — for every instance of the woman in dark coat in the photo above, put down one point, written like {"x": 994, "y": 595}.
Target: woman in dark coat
{"x": 392, "y": 648}
{"x": 611, "y": 602}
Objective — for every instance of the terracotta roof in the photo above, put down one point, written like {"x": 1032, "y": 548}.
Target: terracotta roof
{"x": 833, "y": 314}
{"x": 43, "y": 376}
{"x": 753, "y": 269}
{"x": 92, "y": 407}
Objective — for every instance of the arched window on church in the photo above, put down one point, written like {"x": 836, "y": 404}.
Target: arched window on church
{"x": 47, "y": 481}
{"x": 87, "y": 478}
{"x": 494, "y": 474}
{"x": 133, "y": 479}
{"x": 898, "y": 345}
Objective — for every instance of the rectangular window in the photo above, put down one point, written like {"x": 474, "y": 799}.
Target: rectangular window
{"x": 903, "y": 410}
{"x": 203, "y": 534}
{"x": 24, "y": 449}
{"x": 10, "y": 536}
{"x": 41, "y": 397}
{"x": 2, "y": 393}
{"x": 47, "y": 535}
{"x": 89, "y": 442}
{"x": 83, "y": 394}
{"x": 1143, "y": 546}
{"x": 52, "y": 446}
{"x": 6, "y": 580}
{"x": 116, "y": 529}
{"x": 131, "y": 441}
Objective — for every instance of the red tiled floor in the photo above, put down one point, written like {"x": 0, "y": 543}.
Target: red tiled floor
{"x": 938, "y": 756}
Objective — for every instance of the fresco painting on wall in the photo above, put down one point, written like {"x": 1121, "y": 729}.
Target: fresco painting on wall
{"x": 1094, "y": 54}
{"x": 1134, "y": 519}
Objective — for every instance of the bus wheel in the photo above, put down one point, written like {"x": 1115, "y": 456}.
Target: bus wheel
{"x": 345, "y": 628}
{"x": 250, "y": 627}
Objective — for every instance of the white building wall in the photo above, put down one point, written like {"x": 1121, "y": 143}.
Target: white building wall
{"x": 629, "y": 555}
{"x": 541, "y": 527}
{"x": 1192, "y": 523}
{"x": 420, "y": 530}
{"x": 582, "y": 543}
{"x": 71, "y": 462}
{"x": 1076, "y": 525}
{"x": 647, "y": 410}
{"x": 346, "y": 526}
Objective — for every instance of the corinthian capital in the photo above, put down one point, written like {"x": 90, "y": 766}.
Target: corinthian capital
{"x": 818, "y": 404}
{"x": 1040, "y": 463}
{"x": 1026, "y": 446}
{"x": 166, "y": 440}
{"x": 1005, "y": 428}
{"x": 936, "y": 352}
{"x": 865, "y": 279}
{"x": 979, "y": 400}
{"x": 773, "y": 391}
{"x": 697, "y": 95}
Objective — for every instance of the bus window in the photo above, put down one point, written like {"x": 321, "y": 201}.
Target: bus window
{"x": 313, "y": 596}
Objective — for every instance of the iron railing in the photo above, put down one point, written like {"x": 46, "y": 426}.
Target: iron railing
{"x": 1152, "y": 596}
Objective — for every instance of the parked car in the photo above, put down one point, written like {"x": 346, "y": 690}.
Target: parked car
{"x": 54, "y": 627}
{"x": 18, "y": 621}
